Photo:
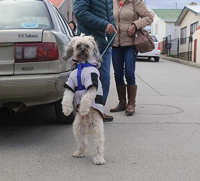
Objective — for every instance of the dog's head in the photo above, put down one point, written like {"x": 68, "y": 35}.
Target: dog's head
{"x": 82, "y": 48}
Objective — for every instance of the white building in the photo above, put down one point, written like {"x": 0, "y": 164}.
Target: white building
{"x": 164, "y": 23}
{"x": 196, "y": 46}
{"x": 188, "y": 21}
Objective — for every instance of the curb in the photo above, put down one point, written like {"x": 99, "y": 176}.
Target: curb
{"x": 185, "y": 62}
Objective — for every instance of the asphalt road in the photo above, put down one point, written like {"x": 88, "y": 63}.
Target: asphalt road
{"x": 159, "y": 143}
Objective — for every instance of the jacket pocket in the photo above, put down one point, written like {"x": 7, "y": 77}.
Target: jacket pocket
{"x": 124, "y": 28}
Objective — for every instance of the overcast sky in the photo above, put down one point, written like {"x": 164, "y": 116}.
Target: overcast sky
{"x": 168, "y": 4}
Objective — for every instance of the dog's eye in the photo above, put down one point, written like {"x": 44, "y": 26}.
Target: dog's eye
{"x": 78, "y": 46}
{"x": 87, "y": 46}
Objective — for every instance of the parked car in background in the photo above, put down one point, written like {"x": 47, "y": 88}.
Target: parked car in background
{"x": 155, "y": 53}
{"x": 33, "y": 38}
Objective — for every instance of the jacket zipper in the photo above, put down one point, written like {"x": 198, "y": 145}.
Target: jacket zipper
{"x": 119, "y": 11}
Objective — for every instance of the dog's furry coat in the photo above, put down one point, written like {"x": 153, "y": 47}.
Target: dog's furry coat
{"x": 88, "y": 119}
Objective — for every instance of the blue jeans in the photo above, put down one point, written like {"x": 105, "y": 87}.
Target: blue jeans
{"x": 105, "y": 72}
{"x": 124, "y": 60}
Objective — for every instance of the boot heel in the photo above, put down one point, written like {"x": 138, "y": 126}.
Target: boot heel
{"x": 121, "y": 91}
{"x": 119, "y": 107}
{"x": 131, "y": 90}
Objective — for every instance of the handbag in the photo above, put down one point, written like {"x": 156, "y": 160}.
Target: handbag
{"x": 142, "y": 40}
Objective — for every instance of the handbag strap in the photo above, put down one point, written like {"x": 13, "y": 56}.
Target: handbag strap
{"x": 133, "y": 2}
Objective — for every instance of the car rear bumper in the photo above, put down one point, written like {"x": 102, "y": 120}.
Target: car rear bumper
{"x": 32, "y": 89}
{"x": 155, "y": 53}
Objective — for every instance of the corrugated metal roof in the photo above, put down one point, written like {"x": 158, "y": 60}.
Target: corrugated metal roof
{"x": 56, "y": 3}
{"x": 167, "y": 14}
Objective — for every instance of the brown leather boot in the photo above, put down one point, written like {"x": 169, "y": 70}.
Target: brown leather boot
{"x": 131, "y": 90}
{"x": 121, "y": 91}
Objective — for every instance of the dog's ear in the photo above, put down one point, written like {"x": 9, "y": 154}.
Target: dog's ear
{"x": 96, "y": 51}
{"x": 69, "y": 51}
{"x": 97, "y": 55}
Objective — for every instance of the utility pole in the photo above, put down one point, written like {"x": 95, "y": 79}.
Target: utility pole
{"x": 145, "y": 1}
{"x": 176, "y": 5}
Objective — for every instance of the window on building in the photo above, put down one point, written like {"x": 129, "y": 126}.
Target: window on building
{"x": 183, "y": 35}
{"x": 156, "y": 29}
{"x": 193, "y": 28}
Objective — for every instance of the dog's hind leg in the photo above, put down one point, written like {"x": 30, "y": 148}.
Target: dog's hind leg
{"x": 80, "y": 135}
{"x": 86, "y": 101}
{"x": 98, "y": 131}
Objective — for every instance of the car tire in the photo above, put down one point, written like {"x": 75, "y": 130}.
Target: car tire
{"x": 61, "y": 118}
{"x": 4, "y": 111}
{"x": 156, "y": 59}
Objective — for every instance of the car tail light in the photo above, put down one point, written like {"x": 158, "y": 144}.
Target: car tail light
{"x": 159, "y": 46}
{"x": 36, "y": 52}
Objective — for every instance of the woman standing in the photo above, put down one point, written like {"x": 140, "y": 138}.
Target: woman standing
{"x": 123, "y": 53}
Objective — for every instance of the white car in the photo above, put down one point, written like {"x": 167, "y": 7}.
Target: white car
{"x": 155, "y": 53}
{"x": 34, "y": 36}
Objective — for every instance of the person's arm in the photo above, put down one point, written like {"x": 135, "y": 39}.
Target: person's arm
{"x": 86, "y": 18}
{"x": 146, "y": 18}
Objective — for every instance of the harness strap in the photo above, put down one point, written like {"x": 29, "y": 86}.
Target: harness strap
{"x": 80, "y": 67}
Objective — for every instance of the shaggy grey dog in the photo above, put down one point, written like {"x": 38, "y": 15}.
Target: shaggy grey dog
{"x": 85, "y": 87}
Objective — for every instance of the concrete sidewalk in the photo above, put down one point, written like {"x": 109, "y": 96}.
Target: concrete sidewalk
{"x": 185, "y": 62}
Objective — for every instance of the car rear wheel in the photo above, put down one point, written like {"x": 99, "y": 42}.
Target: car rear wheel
{"x": 156, "y": 59}
{"x": 61, "y": 118}
{"x": 4, "y": 111}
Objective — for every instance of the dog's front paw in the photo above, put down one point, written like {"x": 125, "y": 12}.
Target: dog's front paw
{"x": 67, "y": 102}
{"x": 84, "y": 110}
{"x": 78, "y": 154}
{"x": 67, "y": 109}
{"x": 99, "y": 160}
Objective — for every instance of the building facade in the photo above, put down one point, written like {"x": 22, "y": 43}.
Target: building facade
{"x": 164, "y": 23}
{"x": 65, "y": 7}
{"x": 188, "y": 21}
{"x": 196, "y": 46}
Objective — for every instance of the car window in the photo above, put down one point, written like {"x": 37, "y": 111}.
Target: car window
{"x": 154, "y": 38}
{"x": 67, "y": 25}
{"x": 63, "y": 23}
{"x": 59, "y": 21}
{"x": 24, "y": 15}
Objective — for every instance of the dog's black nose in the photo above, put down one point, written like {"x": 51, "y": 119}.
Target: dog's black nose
{"x": 82, "y": 51}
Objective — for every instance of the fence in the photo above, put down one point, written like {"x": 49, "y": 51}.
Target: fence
{"x": 174, "y": 51}
{"x": 186, "y": 49}
{"x": 166, "y": 44}
{"x": 178, "y": 48}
